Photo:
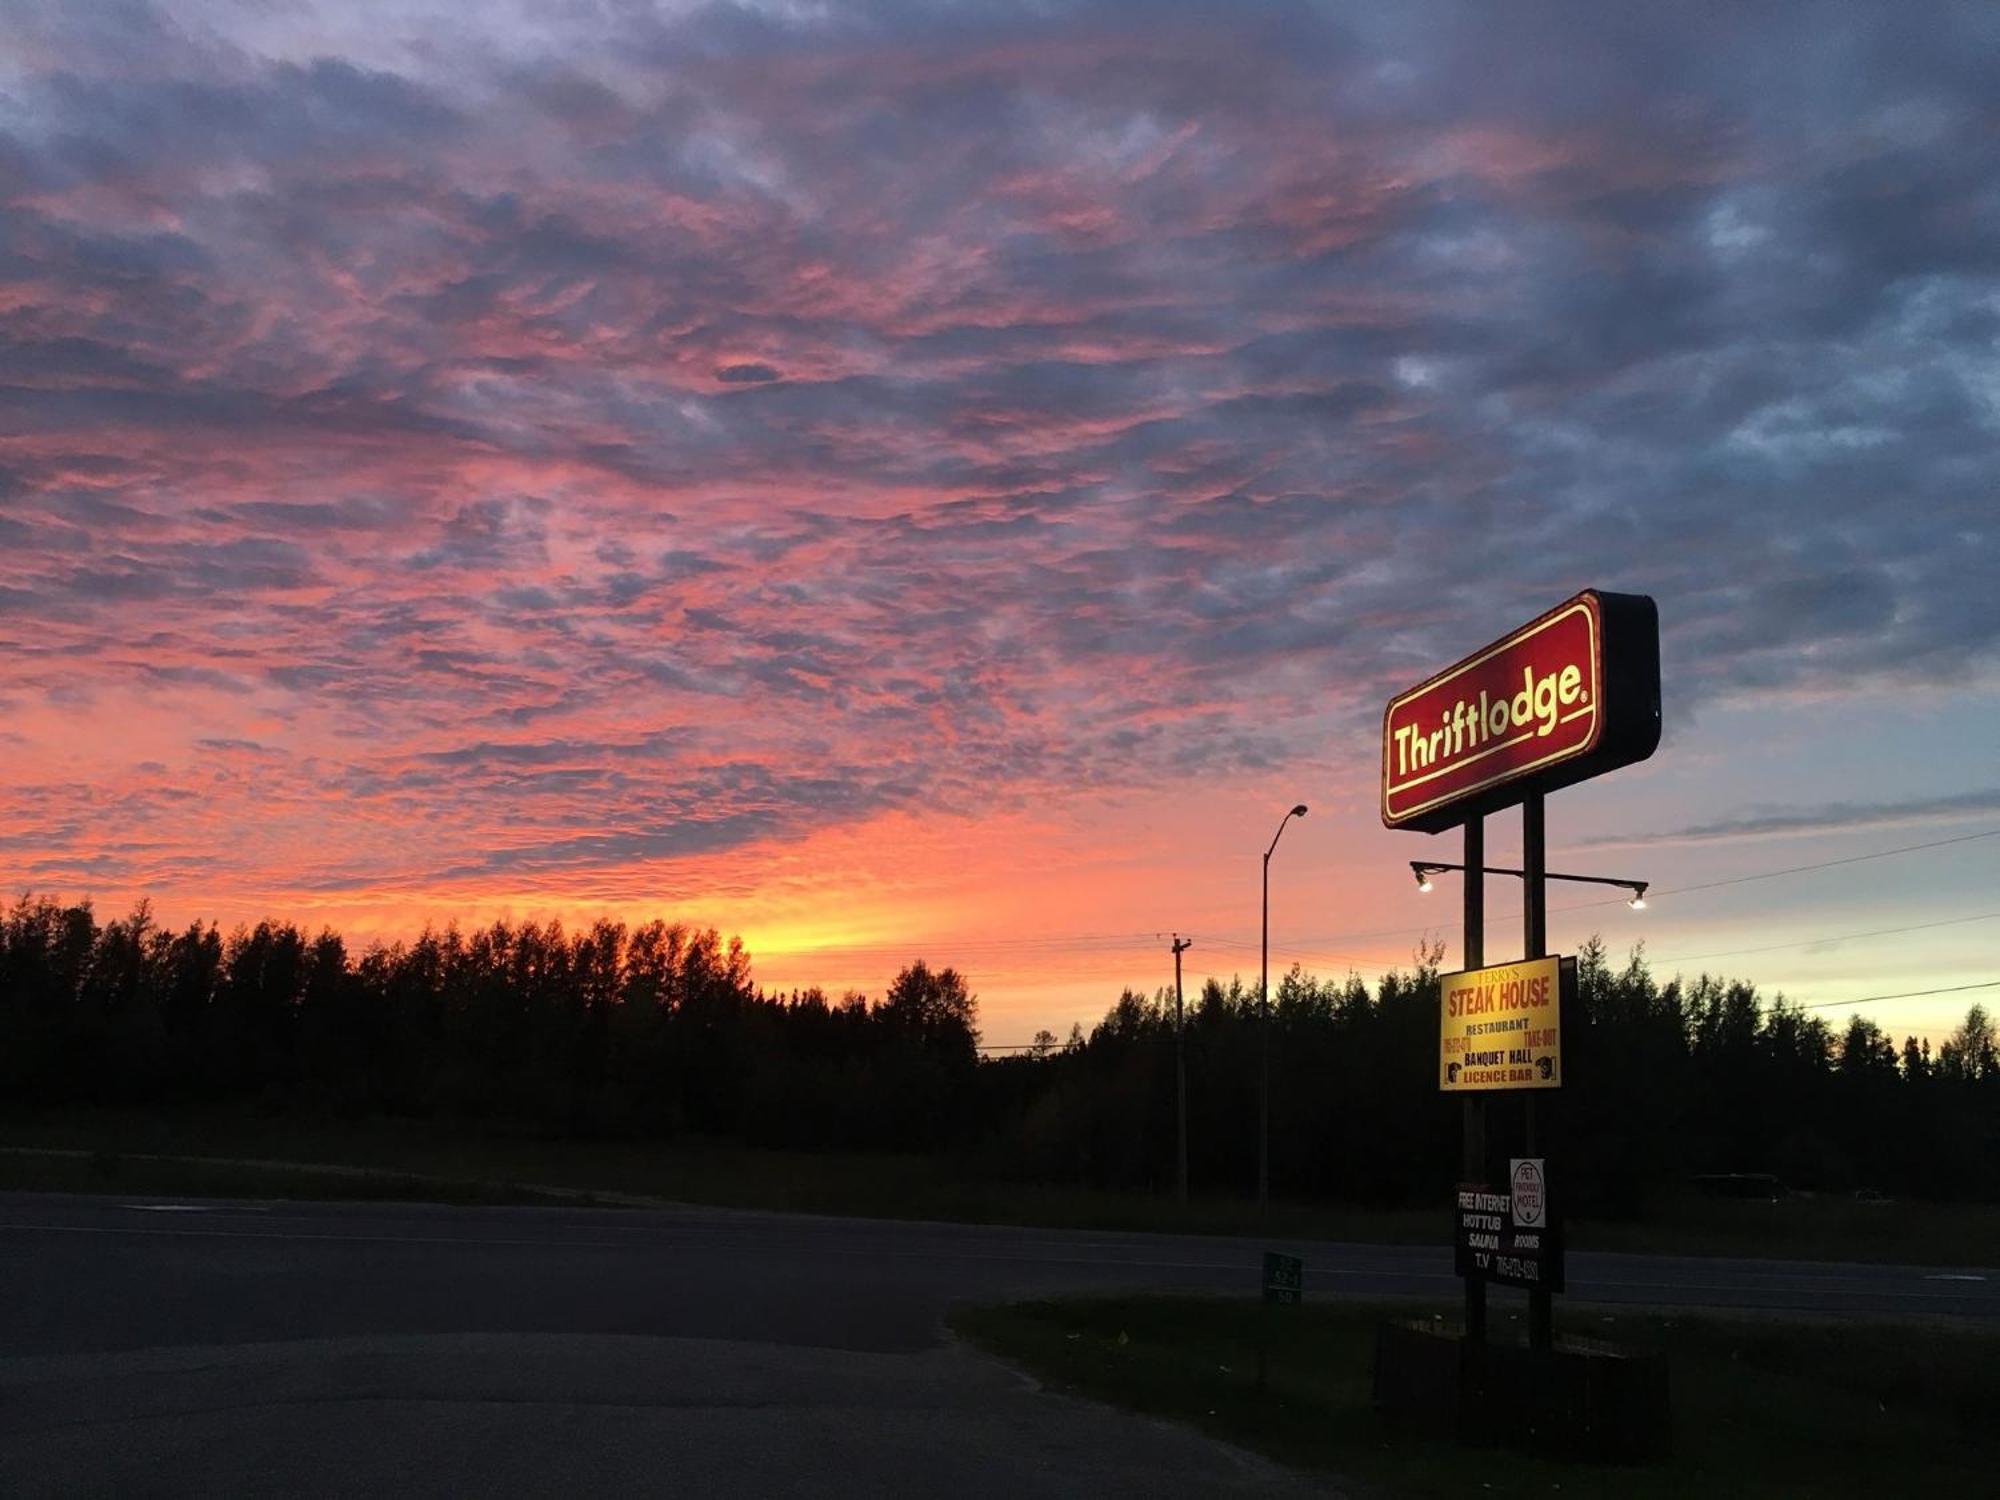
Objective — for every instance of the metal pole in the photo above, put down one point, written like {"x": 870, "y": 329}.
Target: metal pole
{"x": 1472, "y": 1165}
{"x": 1535, "y": 938}
{"x": 1181, "y": 945}
{"x": 1535, "y": 874}
{"x": 1264, "y": 1026}
{"x": 1264, "y": 1030}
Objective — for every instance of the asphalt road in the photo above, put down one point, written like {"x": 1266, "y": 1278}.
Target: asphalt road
{"x": 178, "y": 1346}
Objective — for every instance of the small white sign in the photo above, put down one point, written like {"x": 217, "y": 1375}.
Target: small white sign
{"x": 1529, "y": 1192}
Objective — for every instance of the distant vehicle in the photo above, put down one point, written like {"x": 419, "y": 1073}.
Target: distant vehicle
{"x": 1754, "y": 1185}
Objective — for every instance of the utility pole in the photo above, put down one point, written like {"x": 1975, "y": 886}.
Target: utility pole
{"x": 1181, "y": 945}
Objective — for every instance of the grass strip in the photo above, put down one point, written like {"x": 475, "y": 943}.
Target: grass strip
{"x": 1762, "y": 1407}
{"x": 200, "y": 1177}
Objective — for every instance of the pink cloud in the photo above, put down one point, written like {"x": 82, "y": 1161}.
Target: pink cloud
{"x": 638, "y": 472}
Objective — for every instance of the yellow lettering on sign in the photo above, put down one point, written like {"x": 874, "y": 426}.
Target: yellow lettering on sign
{"x": 1501, "y": 1028}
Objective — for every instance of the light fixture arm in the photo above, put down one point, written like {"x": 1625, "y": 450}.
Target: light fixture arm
{"x": 1423, "y": 868}
{"x": 1297, "y": 812}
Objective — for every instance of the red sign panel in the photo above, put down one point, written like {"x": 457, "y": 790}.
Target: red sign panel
{"x": 1542, "y": 707}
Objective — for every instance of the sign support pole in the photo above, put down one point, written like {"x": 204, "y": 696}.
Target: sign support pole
{"x": 1472, "y": 1165}
{"x": 1535, "y": 921}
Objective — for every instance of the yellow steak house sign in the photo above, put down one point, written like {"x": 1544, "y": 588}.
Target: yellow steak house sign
{"x": 1501, "y": 1028}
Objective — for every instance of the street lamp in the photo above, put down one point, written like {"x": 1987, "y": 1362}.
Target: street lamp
{"x": 1264, "y": 1026}
{"x": 1423, "y": 869}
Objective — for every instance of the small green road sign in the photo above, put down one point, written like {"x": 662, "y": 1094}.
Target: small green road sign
{"x": 1284, "y": 1278}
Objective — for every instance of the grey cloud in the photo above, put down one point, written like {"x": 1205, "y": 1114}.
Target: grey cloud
{"x": 662, "y": 745}
{"x": 716, "y": 808}
{"x": 325, "y": 109}
{"x": 208, "y": 677}
{"x": 488, "y": 533}
{"x": 1829, "y": 817}
{"x": 120, "y": 583}
{"x": 305, "y": 679}
{"x": 346, "y": 513}
{"x": 679, "y": 841}
{"x": 1103, "y": 387}
{"x": 226, "y": 568}
{"x": 76, "y": 358}
{"x": 23, "y": 602}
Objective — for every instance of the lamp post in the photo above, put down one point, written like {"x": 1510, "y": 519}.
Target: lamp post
{"x": 1264, "y": 1026}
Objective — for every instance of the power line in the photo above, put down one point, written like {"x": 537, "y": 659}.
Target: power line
{"x": 1058, "y": 941}
{"x": 1826, "y": 864}
{"x": 1950, "y": 989}
{"x": 1829, "y": 937}
{"x": 1658, "y": 891}
{"x": 1105, "y": 963}
{"x": 895, "y": 947}
{"x": 1312, "y": 955}
{"x": 1305, "y": 954}
{"x": 1024, "y": 947}
{"x": 1672, "y": 958}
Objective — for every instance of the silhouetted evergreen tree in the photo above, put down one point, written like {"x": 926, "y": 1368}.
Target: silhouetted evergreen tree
{"x": 659, "y": 1030}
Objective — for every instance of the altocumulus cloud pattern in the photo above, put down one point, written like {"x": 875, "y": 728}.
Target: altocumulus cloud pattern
{"x": 606, "y": 437}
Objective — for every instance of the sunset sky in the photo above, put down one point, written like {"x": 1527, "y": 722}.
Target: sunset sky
{"x": 896, "y": 480}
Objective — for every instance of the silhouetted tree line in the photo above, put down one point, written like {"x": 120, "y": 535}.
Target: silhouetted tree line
{"x": 650, "y": 1031}
{"x": 658, "y": 1030}
{"x": 1665, "y": 1082}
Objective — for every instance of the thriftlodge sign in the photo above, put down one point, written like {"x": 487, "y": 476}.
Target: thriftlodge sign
{"x": 1566, "y": 697}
